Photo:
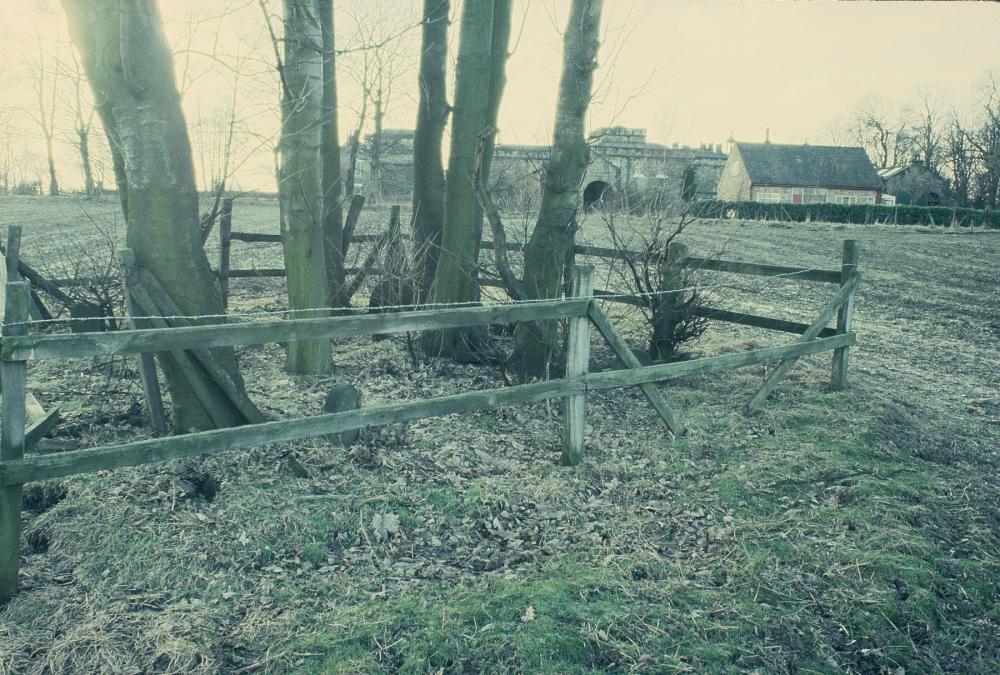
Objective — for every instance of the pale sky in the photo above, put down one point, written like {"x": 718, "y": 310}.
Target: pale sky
{"x": 689, "y": 71}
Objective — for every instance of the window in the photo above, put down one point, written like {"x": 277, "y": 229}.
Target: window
{"x": 767, "y": 197}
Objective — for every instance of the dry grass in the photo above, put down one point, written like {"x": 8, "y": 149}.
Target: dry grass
{"x": 855, "y": 531}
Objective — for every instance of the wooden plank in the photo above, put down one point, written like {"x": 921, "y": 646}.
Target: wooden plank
{"x": 37, "y": 428}
{"x": 46, "y": 467}
{"x": 155, "y": 410}
{"x": 257, "y": 272}
{"x": 577, "y": 364}
{"x": 733, "y": 266}
{"x": 225, "y": 246}
{"x": 156, "y": 302}
{"x": 83, "y": 345}
{"x": 670, "y": 371}
{"x": 756, "y": 321}
{"x": 849, "y": 265}
{"x": 13, "y": 253}
{"x": 13, "y": 376}
{"x": 626, "y": 356}
{"x": 351, "y": 222}
{"x": 761, "y": 270}
{"x": 259, "y": 237}
{"x": 810, "y": 334}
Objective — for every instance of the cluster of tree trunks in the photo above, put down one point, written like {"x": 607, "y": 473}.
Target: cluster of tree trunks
{"x": 128, "y": 63}
{"x": 484, "y": 38}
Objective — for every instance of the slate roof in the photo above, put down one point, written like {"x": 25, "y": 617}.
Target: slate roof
{"x": 809, "y": 166}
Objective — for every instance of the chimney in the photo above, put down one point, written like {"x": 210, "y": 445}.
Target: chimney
{"x": 767, "y": 135}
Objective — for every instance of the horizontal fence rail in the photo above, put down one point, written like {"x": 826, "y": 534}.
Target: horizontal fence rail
{"x": 82, "y": 345}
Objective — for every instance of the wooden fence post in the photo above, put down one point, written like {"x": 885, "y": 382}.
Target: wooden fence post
{"x": 665, "y": 314}
{"x": 848, "y": 267}
{"x": 225, "y": 243}
{"x": 147, "y": 364}
{"x": 13, "y": 375}
{"x": 577, "y": 365}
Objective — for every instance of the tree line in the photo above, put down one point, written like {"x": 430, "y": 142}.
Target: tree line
{"x": 963, "y": 148}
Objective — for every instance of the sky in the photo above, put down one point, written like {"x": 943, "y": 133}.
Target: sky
{"x": 688, "y": 71}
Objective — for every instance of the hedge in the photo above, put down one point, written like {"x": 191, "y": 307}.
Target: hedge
{"x": 854, "y": 213}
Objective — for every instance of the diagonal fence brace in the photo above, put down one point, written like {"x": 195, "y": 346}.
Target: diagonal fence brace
{"x": 811, "y": 333}
{"x": 621, "y": 350}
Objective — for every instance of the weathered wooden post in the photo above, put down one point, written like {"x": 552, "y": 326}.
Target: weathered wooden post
{"x": 848, "y": 267}
{"x": 577, "y": 365}
{"x": 13, "y": 375}
{"x": 147, "y": 364}
{"x": 665, "y": 305}
{"x": 225, "y": 244}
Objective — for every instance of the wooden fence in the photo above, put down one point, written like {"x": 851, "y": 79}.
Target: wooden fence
{"x": 18, "y": 347}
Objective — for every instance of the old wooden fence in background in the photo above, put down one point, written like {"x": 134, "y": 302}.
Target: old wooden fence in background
{"x": 17, "y": 348}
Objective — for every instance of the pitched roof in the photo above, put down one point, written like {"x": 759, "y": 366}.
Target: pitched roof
{"x": 808, "y": 166}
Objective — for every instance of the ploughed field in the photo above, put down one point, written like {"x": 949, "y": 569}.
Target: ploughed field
{"x": 849, "y": 531}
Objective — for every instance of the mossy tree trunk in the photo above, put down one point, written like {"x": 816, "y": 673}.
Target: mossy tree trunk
{"x": 428, "y": 170}
{"x": 550, "y": 248}
{"x": 300, "y": 186}
{"x": 479, "y": 84}
{"x": 128, "y": 62}
{"x": 333, "y": 218}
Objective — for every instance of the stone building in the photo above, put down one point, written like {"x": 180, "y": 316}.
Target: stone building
{"x": 799, "y": 174}
{"x": 621, "y": 161}
{"x": 915, "y": 184}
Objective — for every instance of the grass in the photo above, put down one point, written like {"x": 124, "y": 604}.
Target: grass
{"x": 853, "y": 531}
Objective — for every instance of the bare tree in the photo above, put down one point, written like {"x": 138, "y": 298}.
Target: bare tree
{"x": 884, "y": 135}
{"x": 83, "y": 121}
{"x": 957, "y": 156}
{"x": 428, "y": 170}
{"x": 927, "y": 131}
{"x": 301, "y": 188}
{"x": 551, "y": 245}
{"x": 130, "y": 69}
{"x": 45, "y": 81}
{"x": 484, "y": 41}
{"x": 376, "y": 59}
{"x": 985, "y": 141}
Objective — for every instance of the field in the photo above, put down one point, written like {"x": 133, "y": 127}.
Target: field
{"x": 854, "y": 531}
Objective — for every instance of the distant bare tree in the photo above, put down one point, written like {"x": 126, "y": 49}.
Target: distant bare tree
{"x": 378, "y": 60}
{"x": 985, "y": 141}
{"x": 83, "y": 121}
{"x": 958, "y": 157}
{"x": 885, "y": 136}
{"x": 45, "y": 81}
{"x": 927, "y": 131}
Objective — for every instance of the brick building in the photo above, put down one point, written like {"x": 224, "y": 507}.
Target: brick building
{"x": 799, "y": 174}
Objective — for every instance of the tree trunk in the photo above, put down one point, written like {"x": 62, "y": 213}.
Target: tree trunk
{"x": 550, "y": 248}
{"x": 478, "y": 89}
{"x": 352, "y": 163}
{"x": 333, "y": 218}
{"x": 83, "y": 135}
{"x": 300, "y": 190}
{"x": 375, "y": 161}
{"x": 129, "y": 66}
{"x": 428, "y": 170}
{"x": 53, "y": 182}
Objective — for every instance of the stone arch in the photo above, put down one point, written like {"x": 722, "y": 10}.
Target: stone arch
{"x": 595, "y": 193}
